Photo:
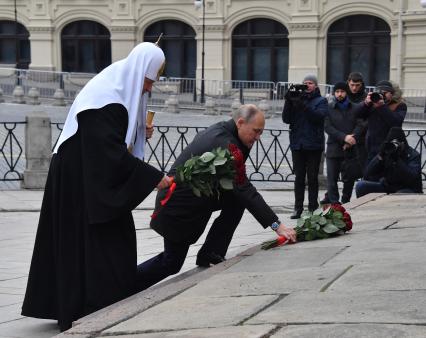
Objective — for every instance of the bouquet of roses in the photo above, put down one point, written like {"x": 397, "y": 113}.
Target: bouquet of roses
{"x": 331, "y": 221}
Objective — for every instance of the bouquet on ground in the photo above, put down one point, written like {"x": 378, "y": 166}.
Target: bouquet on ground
{"x": 331, "y": 221}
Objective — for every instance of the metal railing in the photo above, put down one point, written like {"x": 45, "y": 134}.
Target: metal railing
{"x": 186, "y": 90}
{"x": 270, "y": 159}
{"x": 12, "y": 161}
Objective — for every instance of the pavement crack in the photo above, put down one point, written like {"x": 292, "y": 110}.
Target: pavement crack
{"x": 388, "y": 226}
{"x": 279, "y": 298}
{"x": 336, "y": 254}
{"x": 325, "y": 287}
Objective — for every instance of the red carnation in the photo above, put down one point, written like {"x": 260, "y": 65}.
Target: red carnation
{"x": 240, "y": 167}
{"x": 338, "y": 207}
{"x": 348, "y": 221}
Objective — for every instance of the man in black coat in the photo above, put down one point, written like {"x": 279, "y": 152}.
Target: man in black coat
{"x": 184, "y": 217}
{"x": 396, "y": 168}
{"x": 345, "y": 135}
{"x": 305, "y": 114}
{"x": 382, "y": 114}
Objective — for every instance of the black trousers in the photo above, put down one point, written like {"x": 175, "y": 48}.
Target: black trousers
{"x": 334, "y": 168}
{"x": 306, "y": 163}
{"x": 171, "y": 260}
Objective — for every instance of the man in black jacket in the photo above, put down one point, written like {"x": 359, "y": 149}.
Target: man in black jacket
{"x": 184, "y": 217}
{"x": 397, "y": 168}
{"x": 345, "y": 134}
{"x": 386, "y": 111}
{"x": 305, "y": 114}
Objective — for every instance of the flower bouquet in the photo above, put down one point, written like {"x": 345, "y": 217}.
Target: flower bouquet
{"x": 331, "y": 221}
{"x": 209, "y": 173}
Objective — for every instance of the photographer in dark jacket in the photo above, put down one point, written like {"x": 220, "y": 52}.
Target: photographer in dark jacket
{"x": 345, "y": 139}
{"x": 396, "y": 168}
{"x": 305, "y": 110}
{"x": 185, "y": 216}
{"x": 383, "y": 110}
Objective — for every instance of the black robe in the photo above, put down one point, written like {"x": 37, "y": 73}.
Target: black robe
{"x": 85, "y": 250}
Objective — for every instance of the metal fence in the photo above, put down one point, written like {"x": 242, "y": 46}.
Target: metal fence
{"x": 270, "y": 159}
{"x": 186, "y": 91}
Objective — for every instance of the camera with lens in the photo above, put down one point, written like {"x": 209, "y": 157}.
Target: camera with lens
{"x": 295, "y": 91}
{"x": 392, "y": 148}
{"x": 376, "y": 97}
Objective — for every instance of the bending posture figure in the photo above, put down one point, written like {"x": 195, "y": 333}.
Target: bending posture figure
{"x": 184, "y": 218}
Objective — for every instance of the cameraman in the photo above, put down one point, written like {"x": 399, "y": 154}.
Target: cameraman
{"x": 305, "y": 110}
{"x": 383, "y": 110}
{"x": 396, "y": 168}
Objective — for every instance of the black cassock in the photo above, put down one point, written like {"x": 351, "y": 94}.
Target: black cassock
{"x": 85, "y": 250}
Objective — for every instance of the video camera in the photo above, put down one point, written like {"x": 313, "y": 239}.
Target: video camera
{"x": 295, "y": 91}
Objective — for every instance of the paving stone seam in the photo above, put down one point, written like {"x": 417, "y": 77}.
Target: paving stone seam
{"x": 335, "y": 255}
{"x": 273, "y": 331}
{"x": 330, "y": 283}
{"x": 276, "y": 300}
{"x": 388, "y": 226}
{"x": 346, "y": 323}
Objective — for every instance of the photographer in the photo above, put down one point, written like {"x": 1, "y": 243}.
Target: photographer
{"x": 383, "y": 110}
{"x": 305, "y": 110}
{"x": 396, "y": 168}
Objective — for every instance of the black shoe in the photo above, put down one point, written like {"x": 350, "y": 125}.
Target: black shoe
{"x": 296, "y": 214}
{"x": 206, "y": 259}
{"x": 325, "y": 200}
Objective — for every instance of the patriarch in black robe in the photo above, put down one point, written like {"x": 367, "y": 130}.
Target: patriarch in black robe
{"x": 85, "y": 249}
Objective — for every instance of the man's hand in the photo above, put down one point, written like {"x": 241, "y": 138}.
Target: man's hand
{"x": 286, "y": 232}
{"x": 149, "y": 131}
{"x": 165, "y": 182}
{"x": 350, "y": 139}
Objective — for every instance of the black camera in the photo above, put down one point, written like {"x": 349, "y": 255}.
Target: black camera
{"x": 392, "y": 147}
{"x": 376, "y": 97}
{"x": 295, "y": 90}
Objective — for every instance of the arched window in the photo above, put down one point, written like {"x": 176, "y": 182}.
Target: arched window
{"x": 358, "y": 43}
{"x": 14, "y": 44}
{"x": 86, "y": 47}
{"x": 260, "y": 51}
{"x": 178, "y": 44}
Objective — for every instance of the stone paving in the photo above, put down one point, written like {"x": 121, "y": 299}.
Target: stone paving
{"x": 368, "y": 283}
{"x": 19, "y": 211}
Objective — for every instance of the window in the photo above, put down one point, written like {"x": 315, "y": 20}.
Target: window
{"x": 260, "y": 51}
{"x": 14, "y": 44}
{"x": 178, "y": 44}
{"x": 358, "y": 43}
{"x": 86, "y": 47}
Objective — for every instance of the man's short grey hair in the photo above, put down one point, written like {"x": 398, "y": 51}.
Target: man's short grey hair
{"x": 246, "y": 111}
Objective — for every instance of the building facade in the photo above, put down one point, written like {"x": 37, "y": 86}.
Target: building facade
{"x": 254, "y": 40}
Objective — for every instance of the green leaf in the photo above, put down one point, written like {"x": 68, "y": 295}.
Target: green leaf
{"x": 339, "y": 223}
{"x": 317, "y": 211}
{"x": 196, "y": 192}
{"x": 219, "y": 161}
{"x": 207, "y": 156}
{"x": 226, "y": 183}
{"x": 330, "y": 228}
{"x": 300, "y": 222}
{"x": 322, "y": 220}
